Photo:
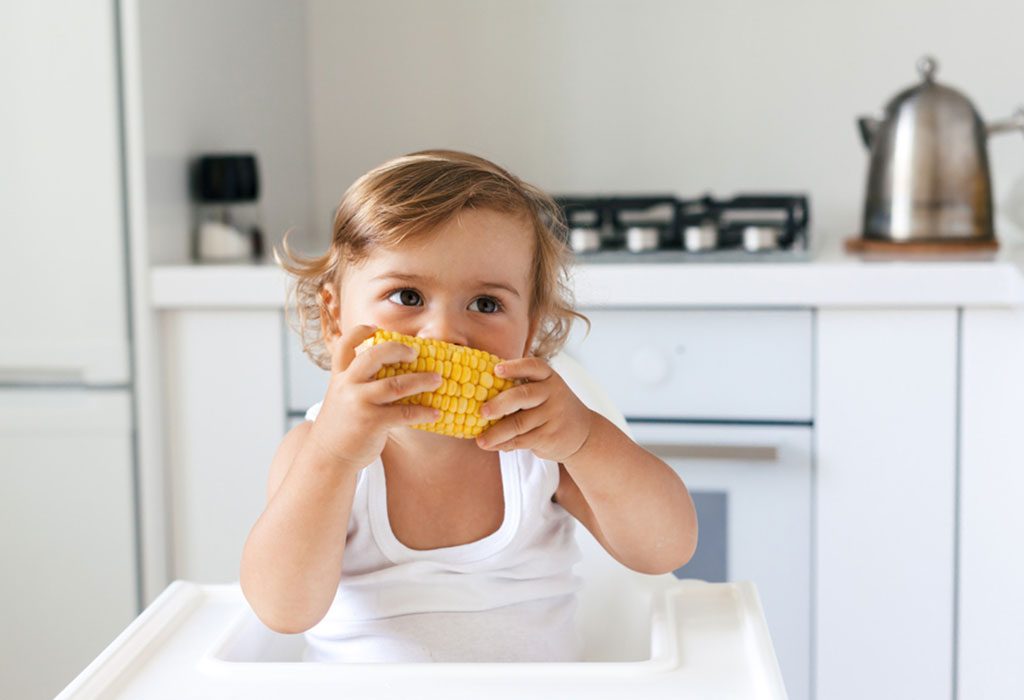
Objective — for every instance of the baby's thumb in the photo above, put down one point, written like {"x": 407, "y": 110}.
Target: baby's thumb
{"x": 346, "y": 344}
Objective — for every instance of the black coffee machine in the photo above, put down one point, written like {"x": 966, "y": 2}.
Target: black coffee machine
{"x": 226, "y": 191}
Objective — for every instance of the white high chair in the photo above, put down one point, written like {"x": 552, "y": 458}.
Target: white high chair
{"x": 650, "y": 635}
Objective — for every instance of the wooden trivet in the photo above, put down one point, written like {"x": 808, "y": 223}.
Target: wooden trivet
{"x": 941, "y": 249}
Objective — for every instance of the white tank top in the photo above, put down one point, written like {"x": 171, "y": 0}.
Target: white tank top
{"x": 510, "y": 596}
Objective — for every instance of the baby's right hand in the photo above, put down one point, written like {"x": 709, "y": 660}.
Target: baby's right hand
{"x": 355, "y": 417}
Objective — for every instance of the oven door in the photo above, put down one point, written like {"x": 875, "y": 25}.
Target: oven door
{"x": 751, "y": 485}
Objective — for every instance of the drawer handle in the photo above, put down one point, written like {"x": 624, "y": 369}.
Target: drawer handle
{"x": 740, "y": 453}
{"x": 30, "y": 375}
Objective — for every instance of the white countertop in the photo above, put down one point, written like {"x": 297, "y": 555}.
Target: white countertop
{"x": 831, "y": 278}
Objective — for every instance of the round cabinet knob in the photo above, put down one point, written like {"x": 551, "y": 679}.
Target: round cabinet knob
{"x": 649, "y": 366}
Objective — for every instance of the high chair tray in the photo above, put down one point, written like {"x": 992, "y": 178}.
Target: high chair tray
{"x": 708, "y": 640}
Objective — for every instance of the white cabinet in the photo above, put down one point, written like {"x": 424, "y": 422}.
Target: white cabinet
{"x": 306, "y": 382}
{"x": 885, "y": 432}
{"x": 722, "y": 364}
{"x": 66, "y": 533}
{"x": 991, "y": 612}
{"x": 62, "y": 273}
{"x": 224, "y": 383}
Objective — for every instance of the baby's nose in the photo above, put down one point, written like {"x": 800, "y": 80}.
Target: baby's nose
{"x": 443, "y": 327}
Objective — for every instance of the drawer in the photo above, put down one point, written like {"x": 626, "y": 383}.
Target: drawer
{"x": 736, "y": 364}
{"x": 307, "y": 383}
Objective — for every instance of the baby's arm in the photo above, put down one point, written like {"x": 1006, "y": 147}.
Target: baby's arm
{"x": 634, "y": 504}
{"x": 291, "y": 563}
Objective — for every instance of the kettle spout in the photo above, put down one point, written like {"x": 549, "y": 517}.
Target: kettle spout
{"x": 1014, "y": 123}
{"x": 868, "y": 128}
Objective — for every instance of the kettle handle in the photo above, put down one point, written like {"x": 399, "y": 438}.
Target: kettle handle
{"x": 1014, "y": 123}
{"x": 868, "y": 127}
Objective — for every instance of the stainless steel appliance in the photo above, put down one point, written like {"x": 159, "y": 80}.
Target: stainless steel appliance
{"x": 662, "y": 228}
{"x": 928, "y": 178}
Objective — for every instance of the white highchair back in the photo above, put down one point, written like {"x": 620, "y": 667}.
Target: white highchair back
{"x": 614, "y": 615}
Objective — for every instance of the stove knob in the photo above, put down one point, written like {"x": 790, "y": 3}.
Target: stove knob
{"x": 758, "y": 238}
{"x": 649, "y": 366}
{"x": 585, "y": 240}
{"x": 698, "y": 238}
{"x": 642, "y": 238}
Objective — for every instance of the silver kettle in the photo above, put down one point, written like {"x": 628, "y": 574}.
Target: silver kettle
{"x": 928, "y": 178}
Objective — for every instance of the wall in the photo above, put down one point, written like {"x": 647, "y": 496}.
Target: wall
{"x": 650, "y": 95}
{"x": 223, "y": 76}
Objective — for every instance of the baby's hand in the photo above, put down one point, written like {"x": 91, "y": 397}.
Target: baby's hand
{"x": 542, "y": 414}
{"x": 353, "y": 422}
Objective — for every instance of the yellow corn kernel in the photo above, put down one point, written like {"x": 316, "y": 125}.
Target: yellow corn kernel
{"x": 468, "y": 381}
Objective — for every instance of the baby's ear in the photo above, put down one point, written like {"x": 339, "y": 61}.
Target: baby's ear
{"x": 330, "y": 315}
{"x": 528, "y": 350}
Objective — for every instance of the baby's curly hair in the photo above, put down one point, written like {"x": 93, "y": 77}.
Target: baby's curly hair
{"x": 416, "y": 193}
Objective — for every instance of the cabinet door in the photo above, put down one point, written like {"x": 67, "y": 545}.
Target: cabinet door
{"x": 720, "y": 364}
{"x": 224, "y": 377}
{"x": 885, "y": 432}
{"x": 67, "y": 539}
{"x": 991, "y": 643}
{"x": 62, "y": 267}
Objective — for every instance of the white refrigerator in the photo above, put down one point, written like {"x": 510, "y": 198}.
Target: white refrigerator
{"x": 68, "y": 542}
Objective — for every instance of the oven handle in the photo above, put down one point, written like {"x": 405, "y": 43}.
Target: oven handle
{"x": 738, "y": 453}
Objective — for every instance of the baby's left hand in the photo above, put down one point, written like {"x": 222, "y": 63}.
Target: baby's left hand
{"x": 542, "y": 414}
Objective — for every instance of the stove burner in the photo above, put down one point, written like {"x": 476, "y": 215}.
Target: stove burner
{"x": 636, "y": 225}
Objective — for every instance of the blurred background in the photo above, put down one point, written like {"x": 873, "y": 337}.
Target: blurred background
{"x": 153, "y": 151}
{"x": 653, "y": 95}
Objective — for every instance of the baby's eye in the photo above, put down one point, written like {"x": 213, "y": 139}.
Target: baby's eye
{"x": 406, "y": 297}
{"x": 490, "y": 305}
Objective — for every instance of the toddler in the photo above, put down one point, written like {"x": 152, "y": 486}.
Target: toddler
{"x": 386, "y": 543}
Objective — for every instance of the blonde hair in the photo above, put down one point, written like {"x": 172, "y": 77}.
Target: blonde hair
{"x": 413, "y": 194}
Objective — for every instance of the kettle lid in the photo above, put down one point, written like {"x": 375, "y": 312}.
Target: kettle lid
{"x": 930, "y": 97}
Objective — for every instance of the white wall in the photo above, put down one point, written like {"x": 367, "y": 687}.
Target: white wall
{"x": 223, "y": 76}
{"x": 649, "y": 95}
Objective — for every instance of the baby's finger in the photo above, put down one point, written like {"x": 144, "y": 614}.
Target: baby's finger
{"x": 534, "y": 369}
{"x": 368, "y": 362}
{"x": 391, "y": 389}
{"x": 517, "y": 398}
{"x": 510, "y": 427}
{"x": 409, "y": 414}
{"x": 523, "y": 441}
{"x": 344, "y": 347}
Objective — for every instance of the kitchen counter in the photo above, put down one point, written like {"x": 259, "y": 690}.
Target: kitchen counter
{"x": 831, "y": 278}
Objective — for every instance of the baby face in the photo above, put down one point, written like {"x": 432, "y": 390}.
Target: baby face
{"x": 467, "y": 282}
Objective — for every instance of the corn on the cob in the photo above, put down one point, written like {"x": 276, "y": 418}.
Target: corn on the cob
{"x": 468, "y": 380}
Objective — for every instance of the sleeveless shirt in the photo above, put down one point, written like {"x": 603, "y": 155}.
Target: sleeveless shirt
{"x": 510, "y": 596}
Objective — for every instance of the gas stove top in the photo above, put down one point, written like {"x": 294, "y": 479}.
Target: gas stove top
{"x": 662, "y": 228}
